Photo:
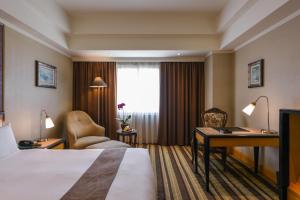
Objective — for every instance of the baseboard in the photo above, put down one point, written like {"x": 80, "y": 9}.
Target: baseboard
{"x": 248, "y": 161}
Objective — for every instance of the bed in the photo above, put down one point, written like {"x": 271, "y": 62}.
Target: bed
{"x": 74, "y": 174}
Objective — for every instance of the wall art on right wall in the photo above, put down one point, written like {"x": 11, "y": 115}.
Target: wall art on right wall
{"x": 256, "y": 74}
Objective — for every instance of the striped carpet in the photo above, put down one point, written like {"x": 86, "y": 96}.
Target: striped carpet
{"x": 175, "y": 178}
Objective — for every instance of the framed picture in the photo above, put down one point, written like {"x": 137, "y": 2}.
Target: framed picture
{"x": 45, "y": 75}
{"x": 256, "y": 74}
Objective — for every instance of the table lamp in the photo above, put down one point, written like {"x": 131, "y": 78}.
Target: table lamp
{"x": 48, "y": 124}
{"x": 250, "y": 108}
{"x": 98, "y": 83}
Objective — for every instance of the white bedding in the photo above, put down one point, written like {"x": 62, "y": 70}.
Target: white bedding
{"x": 49, "y": 174}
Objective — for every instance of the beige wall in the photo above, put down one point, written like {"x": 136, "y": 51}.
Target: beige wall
{"x": 281, "y": 51}
{"x": 144, "y": 23}
{"x": 24, "y": 101}
{"x": 219, "y": 83}
{"x": 208, "y": 73}
{"x": 144, "y": 31}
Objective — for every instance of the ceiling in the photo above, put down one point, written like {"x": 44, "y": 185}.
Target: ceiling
{"x": 140, "y": 53}
{"x": 87, "y": 6}
{"x": 145, "y": 28}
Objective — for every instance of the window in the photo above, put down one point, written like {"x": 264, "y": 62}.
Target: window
{"x": 138, "y": 87}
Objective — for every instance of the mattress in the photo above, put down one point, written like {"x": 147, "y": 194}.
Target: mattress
{"x": 50, "y": 174}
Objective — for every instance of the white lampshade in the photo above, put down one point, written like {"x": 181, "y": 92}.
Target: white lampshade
{"x": 49, "y": 123}
{"x": 249, "y": 109}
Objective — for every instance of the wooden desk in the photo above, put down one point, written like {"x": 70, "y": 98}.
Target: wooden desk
{"x": 210, "y": 137}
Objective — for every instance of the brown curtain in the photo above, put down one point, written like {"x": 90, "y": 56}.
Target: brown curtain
{"x": 85, "y": 98}
{"x": 181, "y": 101}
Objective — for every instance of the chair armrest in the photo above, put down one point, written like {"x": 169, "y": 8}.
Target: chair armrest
{"x": 71, "y": 138}
{"x": 99, "y": 130}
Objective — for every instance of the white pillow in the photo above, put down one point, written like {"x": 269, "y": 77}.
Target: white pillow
{"x": 8, "y": 144}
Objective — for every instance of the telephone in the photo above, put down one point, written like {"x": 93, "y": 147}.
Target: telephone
{"x": 28, "y": 144}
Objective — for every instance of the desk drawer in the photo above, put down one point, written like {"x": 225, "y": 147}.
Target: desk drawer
{"x": 243, "y": 142}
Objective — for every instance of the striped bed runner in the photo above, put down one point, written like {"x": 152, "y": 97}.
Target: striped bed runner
{"x": 175, "y": 178}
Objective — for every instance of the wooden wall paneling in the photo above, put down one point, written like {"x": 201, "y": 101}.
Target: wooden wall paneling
{"x": 289, "y": 162}
{"x": 294, "y": 188}
{"x": 294, "y": 147}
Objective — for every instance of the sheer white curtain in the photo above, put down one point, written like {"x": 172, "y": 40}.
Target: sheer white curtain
{"x": 138, "y": 88}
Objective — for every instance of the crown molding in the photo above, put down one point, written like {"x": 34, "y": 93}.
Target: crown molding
{"x": 270, "y": 29}
{"x": 56, "y": 48}
{"x": 167, "y": 35}
{"x": 218, "y": 52}
{"x": 149, "y": 59}
{"x": 232, "y": 11}
{"x": 258, "y": 17}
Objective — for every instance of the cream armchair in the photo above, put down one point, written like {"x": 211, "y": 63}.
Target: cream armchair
{"x": 83, "y": 131}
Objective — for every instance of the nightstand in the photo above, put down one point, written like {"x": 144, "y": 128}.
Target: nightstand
{"x": 51, "y": 143}
{"x": 132, "y": 136}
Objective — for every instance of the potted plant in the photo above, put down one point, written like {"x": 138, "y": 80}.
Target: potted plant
{"x": 125, "y": 119}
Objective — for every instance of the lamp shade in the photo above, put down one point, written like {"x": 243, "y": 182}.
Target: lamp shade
{"x": 98, "y": 82}
{"x": 249, "y": 109}
{"x": 49, "y": 123}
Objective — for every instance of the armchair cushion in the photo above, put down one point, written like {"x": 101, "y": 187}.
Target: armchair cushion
{"x": 83, "y": 142}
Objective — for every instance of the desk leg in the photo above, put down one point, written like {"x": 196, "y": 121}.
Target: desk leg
{"x": 135, "y": 138}
{"x": 256, "y": 159}
{"x": 283, "y": 193}
{"x": 195, "y": 153}
{"x": 192, "y": 148}
{"x": 206, "y": 163}
{"x": 224, "y": 156}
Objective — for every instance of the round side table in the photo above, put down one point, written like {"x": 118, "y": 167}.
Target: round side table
{"x": 130, "y": 134}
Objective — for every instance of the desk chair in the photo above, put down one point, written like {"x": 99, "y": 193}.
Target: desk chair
{"x": 215, "y": 118}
